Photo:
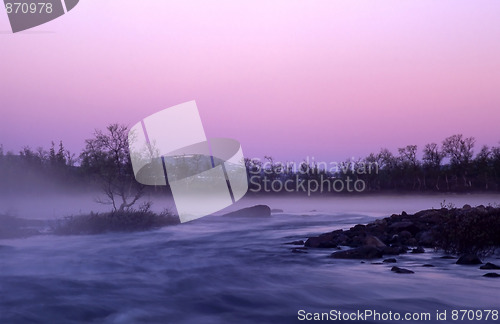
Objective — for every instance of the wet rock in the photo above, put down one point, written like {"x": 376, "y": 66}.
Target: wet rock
{"x": 364, "y": 252}
{"x": 300, "y": 242}
{"x": 358, "y": 228}
{"x": 298, "y": 250}
{"x": 405, "y": 226}
{"x": 412, "y": 242}
{"x": 426, "y": 238}
{"x": 401, "y": 270}
{"x": 380, "y": 222}
{"x": 373, "y": 241}
{"x": 448, "y": 257}
{"x": 402, "y": 237}
{"x": 469, "y": 259}
{"x": 428, "y": 266}
{"x": 254, "y": 211}
{"x": 418, "y": 250}
{"x": 489, "y": 266}
{"x": 391, "y": 260}
{"x": 322, "y": 241}
{"x": 357, "y": 241}
{"x": 401, "y": 225}
{"x": 492, "y": 275}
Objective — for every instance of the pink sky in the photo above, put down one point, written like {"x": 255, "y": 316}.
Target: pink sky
{"x": 329, "y": 79}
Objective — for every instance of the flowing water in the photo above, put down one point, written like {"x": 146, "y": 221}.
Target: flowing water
{"x": 225, "y": 270}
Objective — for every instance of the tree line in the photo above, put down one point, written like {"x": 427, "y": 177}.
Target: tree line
{"x": 449, "y": 167}
{"x": 105, "y": 164}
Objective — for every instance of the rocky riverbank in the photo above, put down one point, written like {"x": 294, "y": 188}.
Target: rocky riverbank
{"x": 457, "y": 230}
{"x": 468, "y": 232}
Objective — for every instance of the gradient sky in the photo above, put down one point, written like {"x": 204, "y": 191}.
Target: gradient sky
{"x": 329, "y": 79}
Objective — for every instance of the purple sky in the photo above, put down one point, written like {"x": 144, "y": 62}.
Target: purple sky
{"x": 329, "y": 79}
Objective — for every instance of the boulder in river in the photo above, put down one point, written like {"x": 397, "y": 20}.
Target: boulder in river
{"x": 390, "y": 260}
{"x": 299, "y": 242}
{"x": 492, "y": 275}
{"x": 364, "y": 252}
{"x": 469, "y": 259}
{"x": 489, "y": 266}
{"x": 401, "y": 270}
{"x": 374, "y": 241}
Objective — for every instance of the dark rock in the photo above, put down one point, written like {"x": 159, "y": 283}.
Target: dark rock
{"x": 403, "y": 237}
{"x": 469, "y": 259}
{"x": 431, "y": 217}
{"x": 300, "y": 242}
{"x": 448, "y": 257}
{"x": 254, "y": 211}
{"x": 400, "y": 225}
{"x": 322, "y": 241}
{"x": 357, "y": 241}
{"x": 428, "y": 266}
{"x": 296, "y": 250}
{"x": 425, "y": 238}
{"x": 358, "y": 227}
{"x": 404, "y": 226}
{"x": 418, "y": 250}
{"x": 373, "y": 241}
{"x": 380, "y": 222}
{"x": 489, "y": 266}
{"x": 412, "y": 242}
{"x": 401, "y": 270}
{"x": 342, "y": 239}
{"x": 377, "y": 263}
{"x": 391, "y": 260}
{"x": 466, "y": 207}
{"x": 364, "y": 252}
{"x": 492, "y": 275}
{"x": 327, "y": 245}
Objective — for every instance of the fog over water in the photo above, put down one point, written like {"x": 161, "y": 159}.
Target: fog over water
{"x": 57, "y": 205}
{"x": 226, "y": 270}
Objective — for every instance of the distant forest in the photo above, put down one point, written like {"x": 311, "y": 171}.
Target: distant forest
{"x": 449, "y": 167}
{"x": 452, "y": 166}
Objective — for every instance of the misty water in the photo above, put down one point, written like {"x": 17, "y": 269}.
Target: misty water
{"x": 229, "y": 270}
